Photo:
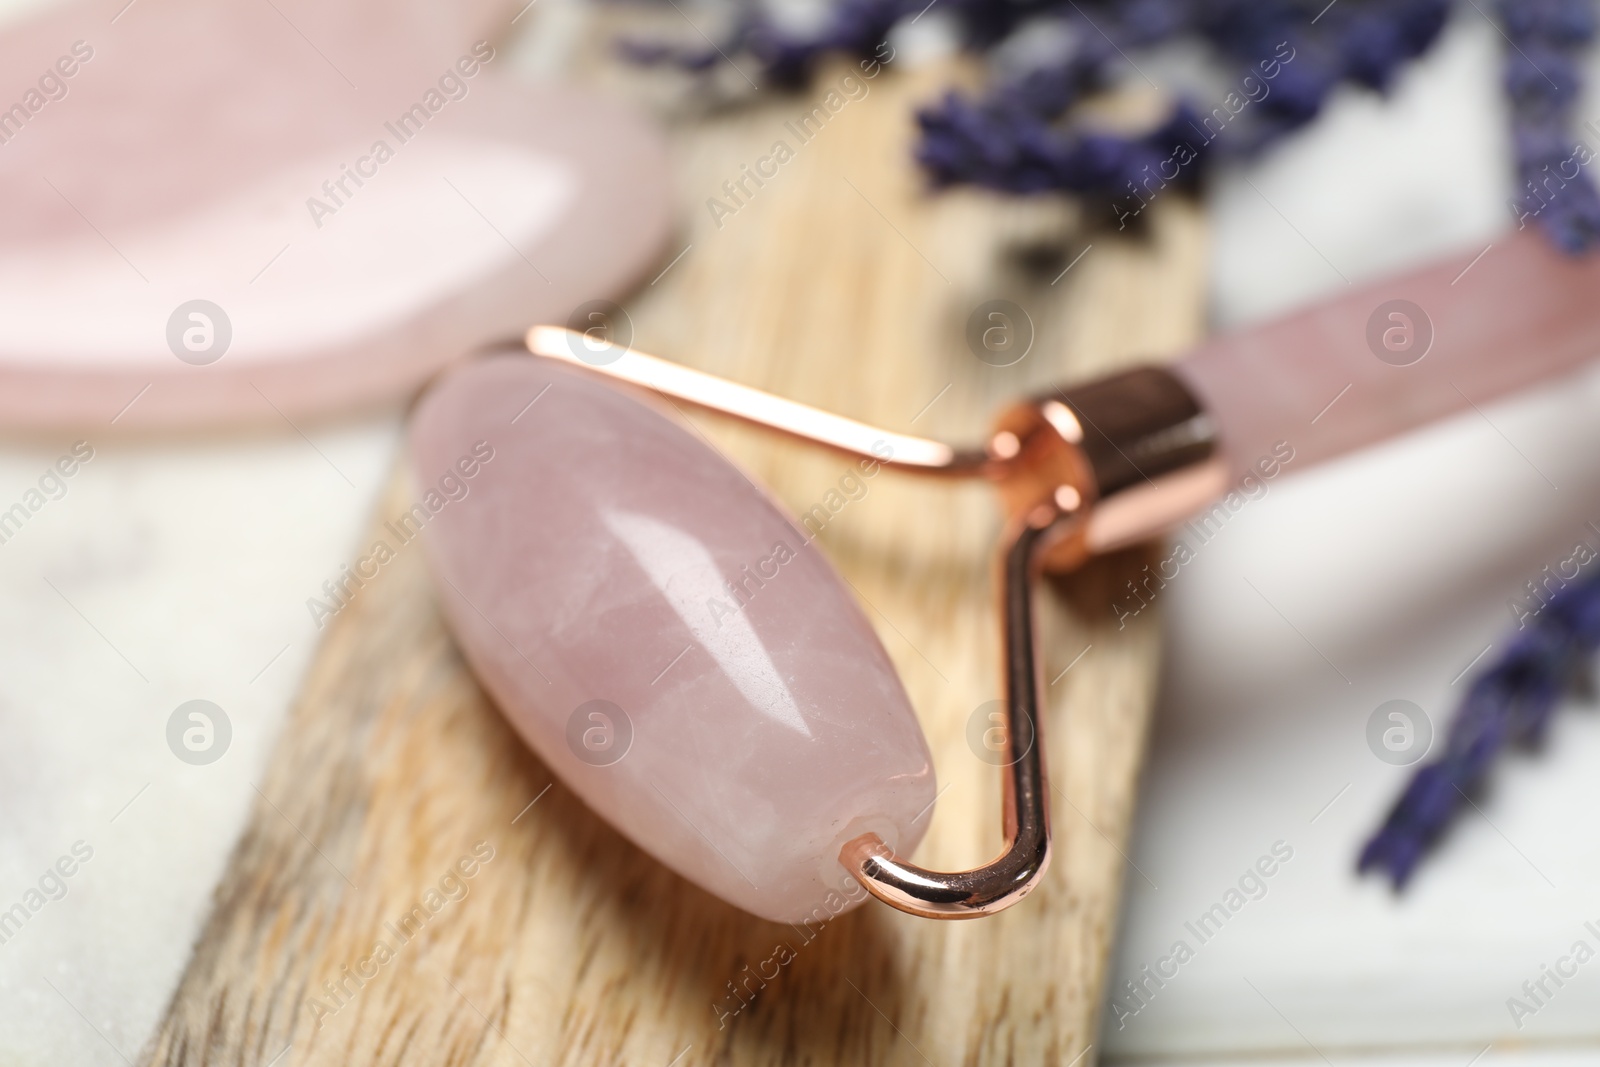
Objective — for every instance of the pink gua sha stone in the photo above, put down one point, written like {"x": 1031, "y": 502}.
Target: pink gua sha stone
{"x": 749, "y": 734}
{"x": 1475, "y": 330}
{"x": 181, "y": 163}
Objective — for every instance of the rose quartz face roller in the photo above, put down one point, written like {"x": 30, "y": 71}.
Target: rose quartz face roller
{"x": 288, "y": 208}
{"x": 673, "y": 646}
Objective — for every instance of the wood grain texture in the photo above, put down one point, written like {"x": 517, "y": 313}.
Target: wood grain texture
{"x": 838, "y": 283}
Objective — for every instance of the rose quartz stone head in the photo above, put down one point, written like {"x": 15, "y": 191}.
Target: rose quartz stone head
{"x": 669, "y": 642}
{"x": 246, "y": 211}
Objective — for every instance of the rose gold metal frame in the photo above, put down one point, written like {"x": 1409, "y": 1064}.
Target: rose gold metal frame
{"x": 1025, "y": 796}
{"x": 1080, "y": 472}
{"x": 800, "y": 421}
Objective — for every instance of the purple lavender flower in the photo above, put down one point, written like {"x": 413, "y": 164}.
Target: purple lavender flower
{"x": 1554, "y": 188}
{"x": 1510, "y": 702}
{"x": 1020, "y": 137}
{"x": 1023, "y": 135}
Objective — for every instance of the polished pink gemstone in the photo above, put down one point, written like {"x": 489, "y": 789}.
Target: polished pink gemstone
{"x": 669, "y": 641}
{"x": 276, "y": 243}
{"x": 1390, "y": 356}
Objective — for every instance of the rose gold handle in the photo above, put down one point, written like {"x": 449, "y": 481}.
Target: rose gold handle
{"x": 1025, "y": 805}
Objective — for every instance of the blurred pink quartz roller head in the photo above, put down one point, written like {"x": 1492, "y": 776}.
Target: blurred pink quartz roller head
{"x": 680, "y": 653}
{"x": 293, "y": 230}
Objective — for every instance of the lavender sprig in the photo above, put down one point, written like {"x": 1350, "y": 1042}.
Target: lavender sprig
{"x": 786, "y": 58}
{"x": 1542, "y": 83}
{"x": 1019, "y": 138}
{"x": 1509, "y": 703}
{"x": 1024, "y": 135}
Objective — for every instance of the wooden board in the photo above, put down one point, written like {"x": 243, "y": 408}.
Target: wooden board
{"x": 839, "y": 282}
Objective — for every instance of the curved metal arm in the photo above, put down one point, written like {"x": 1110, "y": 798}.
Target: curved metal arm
{"x": 1025, "y": 805}
{"x": 1137, "y": 447}
{"x": 674, "y": 381}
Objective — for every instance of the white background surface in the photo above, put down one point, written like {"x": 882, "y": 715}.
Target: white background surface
{"x": 188, "y": 563}
{"x": 1377, "y": 578}
{"x": 168, "y": 572}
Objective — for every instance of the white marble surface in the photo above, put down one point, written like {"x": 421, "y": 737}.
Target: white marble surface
{"x": 169, "y": 571}
{"x": 1378, "y": 578}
